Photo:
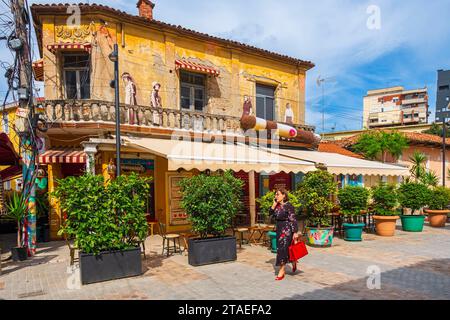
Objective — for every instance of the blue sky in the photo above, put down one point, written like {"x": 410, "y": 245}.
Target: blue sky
{"x": 412, "y": 43}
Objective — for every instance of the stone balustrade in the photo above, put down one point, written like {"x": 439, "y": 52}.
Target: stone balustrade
{"x": 95, "y": 111}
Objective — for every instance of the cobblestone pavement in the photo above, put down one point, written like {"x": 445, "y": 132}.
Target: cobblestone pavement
{"x": 413, "y": 266}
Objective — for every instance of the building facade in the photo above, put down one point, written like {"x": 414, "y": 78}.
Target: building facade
{"x": 443, "y": 94}
{"x": 395, "y": 106}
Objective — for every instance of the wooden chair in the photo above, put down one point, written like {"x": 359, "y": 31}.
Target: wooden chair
{"x": 166, "y": 238}
{"x": 241, "y": 230}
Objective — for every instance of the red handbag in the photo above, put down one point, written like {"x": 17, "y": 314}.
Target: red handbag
{"x": 297, "y": 251}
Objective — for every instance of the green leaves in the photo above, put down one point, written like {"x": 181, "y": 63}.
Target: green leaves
{"x": 377, "y": 144}
{"x": 353, "y": 200}
{"x": 104, "y": 218}
{"x": 211, "y": 202}
{"x": 439, "y": 198}
{"x": 413, "y": 195}
{"x": 314, "y": 194}
{"x": 385, "y": 199}
{"x": 266, "y": 202}
{"x": 16, "y": 208}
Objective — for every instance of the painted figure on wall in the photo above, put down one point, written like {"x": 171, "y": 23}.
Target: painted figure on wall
{"x": 247, "y": 108}
{"x": 289, "y": 114}
{"x": 156, "y": 102}
{"x": 130, "y": 96}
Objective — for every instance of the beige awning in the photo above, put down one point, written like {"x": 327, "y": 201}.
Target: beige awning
{"x": 340, "y": 164}
{"x": 215, "y": 156}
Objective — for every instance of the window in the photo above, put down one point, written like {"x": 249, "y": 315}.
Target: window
{"x": 7, "y": 185}
{"x": 192, "y": 91}
{"x": 265, "y": 102}
{"x": 5, "y": 123}
{"x": 77, "y": 77}
{"x": 446, "y": 87}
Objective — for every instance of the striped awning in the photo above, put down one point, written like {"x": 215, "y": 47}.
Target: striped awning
{"x": 197, "y": 67}
{"x": 67, "y": 46}
{"x": 63, "y": 155}
{"x": 38, "y": 70}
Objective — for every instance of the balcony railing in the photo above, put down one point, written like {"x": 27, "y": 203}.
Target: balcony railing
{"x": 95, "y": 111}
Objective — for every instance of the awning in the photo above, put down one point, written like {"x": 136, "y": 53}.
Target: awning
{"x": 38, "y": 70}
{"x": 11, "y": 172}
{"x": 340, "y": 164}
{"x": 62, "y": 155}
{"x": 218, "y": 156}
{"x": 197, "y": 67}
{"x": 69, "y": 46}
{"x": 8, "y": 155}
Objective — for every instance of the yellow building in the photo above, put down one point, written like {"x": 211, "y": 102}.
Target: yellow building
{"x": 182, "y": 96}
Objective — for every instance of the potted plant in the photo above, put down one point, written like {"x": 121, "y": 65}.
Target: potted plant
{"x": 17, "y": 211}
{"x": 353, "y": 200}
{"x": 107, "y": 223}
{"x": 438, "y": 207}
{"x": 384, "y": 204}
{"x": 314, "y": 193}
{"x": 413, "y": 197}
{"x": 211, "y": 202}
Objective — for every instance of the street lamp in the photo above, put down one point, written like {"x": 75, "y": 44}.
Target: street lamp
{"x": 114, "y": 57}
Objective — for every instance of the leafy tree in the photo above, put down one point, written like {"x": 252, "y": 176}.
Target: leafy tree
{"x": 211, "y": 202}
{"x": 413, "y": 195}
{"x": 378, "y": 144}
{"x": 430, "y": 179}
{"x": 104, "y": 218}
{"x": 353, "y": 200}
{"x": 439, "y": 199}
{"x": 314, "y": 194}
{"x": 266, "y": 202}
{"x": 436, "y": 130}
{"x": 385, "y": 199}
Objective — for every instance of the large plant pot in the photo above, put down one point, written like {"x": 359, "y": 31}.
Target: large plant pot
{"x": 273, "y": 241}
{"x": 211, "y": 250}
{"x": 320, "y": 237}
{"x": 437, "y": 218}
{"x": 353, "y": 231}
{"x": 385, "y": 225}
{"x": 413, "y": 223}
{"x": 19, "y": 253}
{"x": 110, "y": 265}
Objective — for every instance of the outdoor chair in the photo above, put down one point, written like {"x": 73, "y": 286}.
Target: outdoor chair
{"x": 166, "y": 240}
{"x": 241, "y": 230}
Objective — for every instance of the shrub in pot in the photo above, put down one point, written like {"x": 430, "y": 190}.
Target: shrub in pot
{"x": 385, "y": 202}
{"x": 17, "y": 211}
{"x": 413, "y": 197}
{"x": 315, "y": 194}
{"x": 438, "y": 207}
{"x": 211, "y": 202}
{"x": 107, "y": 223}
{"x": 353, "y": 200}
{"x": 266, "y": 202}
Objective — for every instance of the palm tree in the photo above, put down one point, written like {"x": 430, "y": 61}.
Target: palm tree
{"x": 418, "y": 161}
{"x": 430, "y": 179}
{"x": 17, "y": 211}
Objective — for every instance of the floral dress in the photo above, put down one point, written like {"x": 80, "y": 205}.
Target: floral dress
{"x": 286, "y": 226}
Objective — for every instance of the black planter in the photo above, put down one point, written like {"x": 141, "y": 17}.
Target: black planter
{"x": 19, "y": 254}
{"x": 110, "y": 265}
{"x": 212, "y": 250}
{"x": 43, "y": 233}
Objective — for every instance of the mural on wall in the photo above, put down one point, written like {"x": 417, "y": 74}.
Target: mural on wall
{"x": 289, "y": 114}
{"x": 130, "y": 96}
{"x": 156, "y": 101}
{"x": 177, "y": 215}
{"x": 247, "y": 109}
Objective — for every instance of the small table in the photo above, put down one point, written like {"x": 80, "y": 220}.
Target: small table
{"x": 260, "y": 228}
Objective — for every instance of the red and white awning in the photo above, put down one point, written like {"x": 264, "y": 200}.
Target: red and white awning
{"x": 67, "y": 155}
{"x": 196, "y": 67}
{"x": 69, "y": 46}
{"x": 38, "y": 69}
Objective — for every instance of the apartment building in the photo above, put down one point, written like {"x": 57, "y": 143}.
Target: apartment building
{"x": 443, "y": 93}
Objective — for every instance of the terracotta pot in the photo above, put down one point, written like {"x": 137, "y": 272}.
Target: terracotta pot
{"x": 385, "y": 225}
{"x": 437, "y": 218}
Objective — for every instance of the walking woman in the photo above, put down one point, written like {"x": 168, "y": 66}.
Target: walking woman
{"x": 287, "y": 229}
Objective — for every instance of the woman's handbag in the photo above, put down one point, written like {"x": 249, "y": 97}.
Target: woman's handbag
{"x": 297, "y": 250}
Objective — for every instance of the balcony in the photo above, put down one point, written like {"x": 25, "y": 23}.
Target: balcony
{"x": 414, "y": 101}
{"x": 79, "y": 112}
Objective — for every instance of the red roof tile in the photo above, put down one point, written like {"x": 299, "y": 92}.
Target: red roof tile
{"x": 330, "y": 147}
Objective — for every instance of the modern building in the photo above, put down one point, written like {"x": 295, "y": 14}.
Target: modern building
{"x": 183, "y": 98}
{"x": 395, "y": 106}
{"x": 443, "y": 94}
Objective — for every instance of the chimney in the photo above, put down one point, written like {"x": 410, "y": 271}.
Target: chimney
{"x": 146, "y": 9}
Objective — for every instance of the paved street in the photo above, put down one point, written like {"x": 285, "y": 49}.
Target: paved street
{"x": 413, "y": 266}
